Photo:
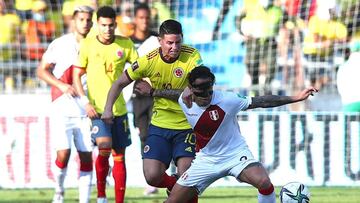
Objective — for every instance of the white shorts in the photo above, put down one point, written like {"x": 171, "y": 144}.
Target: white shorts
{"x": 65, "y": 129}
{"x": 204, "y": 170}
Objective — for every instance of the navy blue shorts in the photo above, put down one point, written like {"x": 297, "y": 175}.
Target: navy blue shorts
{"x": 119, "y": 131}
{"x": 166, "y": 144}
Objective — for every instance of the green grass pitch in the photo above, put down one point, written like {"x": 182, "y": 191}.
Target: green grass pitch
{"x": 211, "y": 195}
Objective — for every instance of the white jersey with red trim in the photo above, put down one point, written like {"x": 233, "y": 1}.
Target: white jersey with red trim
{"x": 63, "y": 53}
{"x": 216, "y": 126}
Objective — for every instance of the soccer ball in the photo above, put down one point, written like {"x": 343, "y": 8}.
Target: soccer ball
{"x": 294, "y": 192}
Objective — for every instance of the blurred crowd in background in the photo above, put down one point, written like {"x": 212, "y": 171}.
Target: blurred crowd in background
{"x": 288, "y": 43}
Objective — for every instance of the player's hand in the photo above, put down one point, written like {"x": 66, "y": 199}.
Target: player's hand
{"x": 90, "y": 111}
{"x": 143, "y": 88}
{"x": 306, "y": 93}
{"x": 107, "y": 117}
{"x": 187, "y": 97}
{"x": 68, "y": 89}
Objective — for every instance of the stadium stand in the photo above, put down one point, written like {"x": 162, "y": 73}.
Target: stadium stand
{"x": 252, "y": 46}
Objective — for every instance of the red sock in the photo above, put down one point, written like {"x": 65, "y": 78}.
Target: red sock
{"x": 119, "y": 174}
{"x": 102, "y": 170}
{"x": 167, "y": 182}
{"x": 60, "y": 164}
{"x": 267, "y": 191}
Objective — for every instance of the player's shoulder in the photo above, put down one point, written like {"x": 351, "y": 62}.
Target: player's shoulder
{"x": 66, "y": 38}
{"x": 188, "y": 49}
{"x": 152, "y": 54}
{"x": 123, "y": 40}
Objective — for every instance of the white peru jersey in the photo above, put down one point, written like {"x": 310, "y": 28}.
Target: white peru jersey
{"x": 63, "y": 53}
{"x": 216, "y": 126}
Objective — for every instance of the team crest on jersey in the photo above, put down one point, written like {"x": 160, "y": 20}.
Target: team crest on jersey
{"x": 120, "y": 54}
{"x": 135, "y": 66}
{"x": 214, "y": 115}
{"x": 178, "y": 72}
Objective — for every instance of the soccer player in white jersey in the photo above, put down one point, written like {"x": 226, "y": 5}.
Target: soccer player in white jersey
{"x": 68, "y": 121}
{"x": 222, "y": 150}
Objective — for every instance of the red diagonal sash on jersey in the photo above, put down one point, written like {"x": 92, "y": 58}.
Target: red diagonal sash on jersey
{"x": 66, "y": 78}
{"x": 207, "y": 125}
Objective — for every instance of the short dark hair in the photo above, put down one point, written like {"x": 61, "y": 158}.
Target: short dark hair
{"x": 170, "y": 27}
{"x": 200, "y": 72}
{"x": 141, "y": 6}
{"x": 106, "y": 12}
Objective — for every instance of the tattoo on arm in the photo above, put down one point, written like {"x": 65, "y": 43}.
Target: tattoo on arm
{"x": 172, "y": 94}
{"x": 267, "y": 101}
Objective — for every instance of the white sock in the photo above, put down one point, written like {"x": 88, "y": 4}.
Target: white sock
{"x": 267, "y": 198}
{"x": 59, "y": 179}
{"x": 85, "y": 186}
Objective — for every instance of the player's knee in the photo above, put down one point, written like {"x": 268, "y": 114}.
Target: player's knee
{"x": 104, "y": 152}
{"x": 63, "y": 156}
{"x": 265, "y": 186}
{"x": 152, "y": 178}
{"x": 104, "y": 145}
{"x": 85, "y": 156}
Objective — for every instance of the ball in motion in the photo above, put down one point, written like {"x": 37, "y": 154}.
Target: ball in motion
{"x": 294, "y": 192}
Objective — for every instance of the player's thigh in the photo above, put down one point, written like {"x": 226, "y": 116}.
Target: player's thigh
{"x": 180, "y": 193}
{"x": 120, "y": 132}
{"x": 62, "y": 132}
{"x": 256, "y": 175}
{"x": 101, "y": 133}
{"x": 158, "y": 146}
{"x": 82, "y": 135}
{"x": 243, "y": 165}
{"x": 153, "y": 169}
{"x": 201, "y": 174}
{"x": 184, "y": 146}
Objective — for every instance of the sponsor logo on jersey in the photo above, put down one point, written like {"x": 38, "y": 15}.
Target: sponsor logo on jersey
{"x": 120, "y": 54}
{"x": 157, "y": 75}
{"x": 146, "y": 148}
{"x": 191, "y": 114}
{"x": 178, "y": 72}
{"x": 135, "y": 66}
{"x": 214, "y": 115}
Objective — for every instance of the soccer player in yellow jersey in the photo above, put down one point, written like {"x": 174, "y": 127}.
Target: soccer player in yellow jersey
{"x": 170, "y": 135}
{"x": 103, "y": 58}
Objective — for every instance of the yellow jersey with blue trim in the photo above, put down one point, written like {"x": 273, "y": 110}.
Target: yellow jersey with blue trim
{"x": 104, "y": 63}
{"x": 166, "y": 75}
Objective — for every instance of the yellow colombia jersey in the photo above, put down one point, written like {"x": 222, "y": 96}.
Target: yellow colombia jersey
{"x": 166, "y": 113}
{"x": 104, "y": 64}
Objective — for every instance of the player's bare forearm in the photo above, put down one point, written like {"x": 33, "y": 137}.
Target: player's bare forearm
{"x": 172, "y": 94}
{"x": 113, "y": 94}
{"x": 268, "y": 101}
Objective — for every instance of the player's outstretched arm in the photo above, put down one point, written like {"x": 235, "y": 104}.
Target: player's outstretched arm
{"x": 112, "y": 96}
{"x": 144, "y": 88}
{"x": 268, "y": 101}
